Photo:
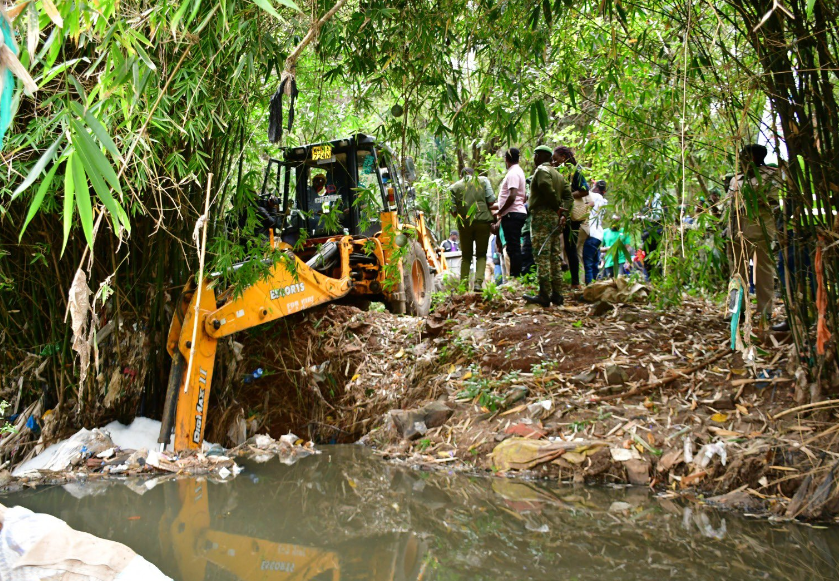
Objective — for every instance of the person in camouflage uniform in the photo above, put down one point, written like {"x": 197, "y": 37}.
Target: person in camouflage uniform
{"x": 550, "y": 199}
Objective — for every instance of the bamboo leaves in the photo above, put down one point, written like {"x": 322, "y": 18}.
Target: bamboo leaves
{"x": 82, "y": 196}
{"x": 69, "y": 196}
{"x": 98, "y": 169}
{"x": 83, "y": 161}
{"x": 39, "y": 166}
{"x": 38, "y": 199}
{"x": 268, "y": 7}
{"x": 53, "y": 13}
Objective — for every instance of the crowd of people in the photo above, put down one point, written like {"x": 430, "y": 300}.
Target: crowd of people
{"x": 547, "y": 223}
{"x": 554, "y": 221}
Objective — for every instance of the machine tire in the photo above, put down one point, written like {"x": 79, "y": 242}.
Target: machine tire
{"x": 410, "y": 555}
{"x": 419, "y": 285}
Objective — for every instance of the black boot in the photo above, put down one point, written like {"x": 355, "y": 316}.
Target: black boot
{"x": 543, "y": 298}
{"x": 782, "y": 327}
{"x": 557, "y": 299}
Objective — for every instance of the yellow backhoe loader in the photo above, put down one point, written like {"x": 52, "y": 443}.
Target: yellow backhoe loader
{"x": 338, "y": 215}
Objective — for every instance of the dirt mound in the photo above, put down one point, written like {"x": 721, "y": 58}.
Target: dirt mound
{"x": 634, "y": 395}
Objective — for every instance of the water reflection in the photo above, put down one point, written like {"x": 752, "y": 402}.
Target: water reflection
{"x": 345, "y": 515}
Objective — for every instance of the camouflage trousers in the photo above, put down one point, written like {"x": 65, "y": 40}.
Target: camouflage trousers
{"x": 547, "y": 248}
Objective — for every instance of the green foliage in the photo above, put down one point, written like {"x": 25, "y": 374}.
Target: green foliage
{"x": 490, "y": 292}
{"x": 6, "y": 427}
{"x": 482, "y": 391}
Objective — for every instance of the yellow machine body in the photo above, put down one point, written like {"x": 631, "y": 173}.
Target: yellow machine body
{"x": 286, "y": 291}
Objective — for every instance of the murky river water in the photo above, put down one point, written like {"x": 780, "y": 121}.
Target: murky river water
{"x": 345, "y": 515}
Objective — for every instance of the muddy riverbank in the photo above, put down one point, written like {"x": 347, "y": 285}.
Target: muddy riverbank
{"x": 584, "y": 394}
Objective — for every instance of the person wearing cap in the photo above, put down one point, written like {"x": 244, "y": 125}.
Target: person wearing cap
{"x": 576, "y": 228}
{"x": 754, "y": 199}
{"x": 550, "y": 199}
{"x": 472, "y": 197}
{"x": 451, "y": 244}
{"x": 511, "y": 208}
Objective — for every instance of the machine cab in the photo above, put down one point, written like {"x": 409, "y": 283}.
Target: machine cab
{"x": 334, "y": 188}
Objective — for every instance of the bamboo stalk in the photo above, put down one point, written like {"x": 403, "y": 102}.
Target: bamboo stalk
{"x": 806, "y": 407}
{"x": 202, "y": 223}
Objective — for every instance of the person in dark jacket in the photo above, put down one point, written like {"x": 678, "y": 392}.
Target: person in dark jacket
{"x": 550, "y": 198}
{"x": 566, "y": 164}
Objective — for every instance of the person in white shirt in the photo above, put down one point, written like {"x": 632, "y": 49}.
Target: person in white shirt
{"x": 591, "y": 247}
{"x": 511, "y": 208}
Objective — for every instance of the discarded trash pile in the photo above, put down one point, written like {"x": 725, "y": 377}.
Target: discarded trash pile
{"x": 93, "y": 454}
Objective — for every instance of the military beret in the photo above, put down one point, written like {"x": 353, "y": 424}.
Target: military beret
{"x": 545, "y": 149}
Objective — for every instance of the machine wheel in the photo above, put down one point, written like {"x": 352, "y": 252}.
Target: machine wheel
{"x": 409, "y": 558}
{"x": 419, "y": 284}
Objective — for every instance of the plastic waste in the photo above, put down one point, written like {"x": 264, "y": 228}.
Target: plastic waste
{"x": 255, "y": 375}
{"x": 215, "y": 450}
{"x": 70, "y": 452}
{"x": 36, "y": 546}
{"x": 33, "y": 426}
{"x": 688, "y": 450}
{"x": 708, "y": 451}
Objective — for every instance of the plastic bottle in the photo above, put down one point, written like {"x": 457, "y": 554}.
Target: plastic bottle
{"x": 255, "y": 375}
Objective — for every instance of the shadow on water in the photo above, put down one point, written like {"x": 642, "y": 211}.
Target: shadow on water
{"x": 346, "y": 515}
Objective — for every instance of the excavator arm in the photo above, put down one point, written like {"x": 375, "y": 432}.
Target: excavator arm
{"x": 291, "y": 287}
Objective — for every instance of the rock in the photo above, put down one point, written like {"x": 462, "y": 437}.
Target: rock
{"x": 723, "y": 403}
{"x": 436, "y": 413}
{"x": 584, "y": 378}
{"x": 410, "y": 424}
{"x": 600, "y": 309}
{"x": 615, "y": 375}
{"x": 473, "y": 333}
{"x": 436, "y": 325}
{"x": 629, "y": 317}
{"x": 516, "y": 393}
{"x": 737, "y": 500}
{"x": 670, "y": 459}
{"x": 638, "y": 472}
{"x": 618, "y": 506}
